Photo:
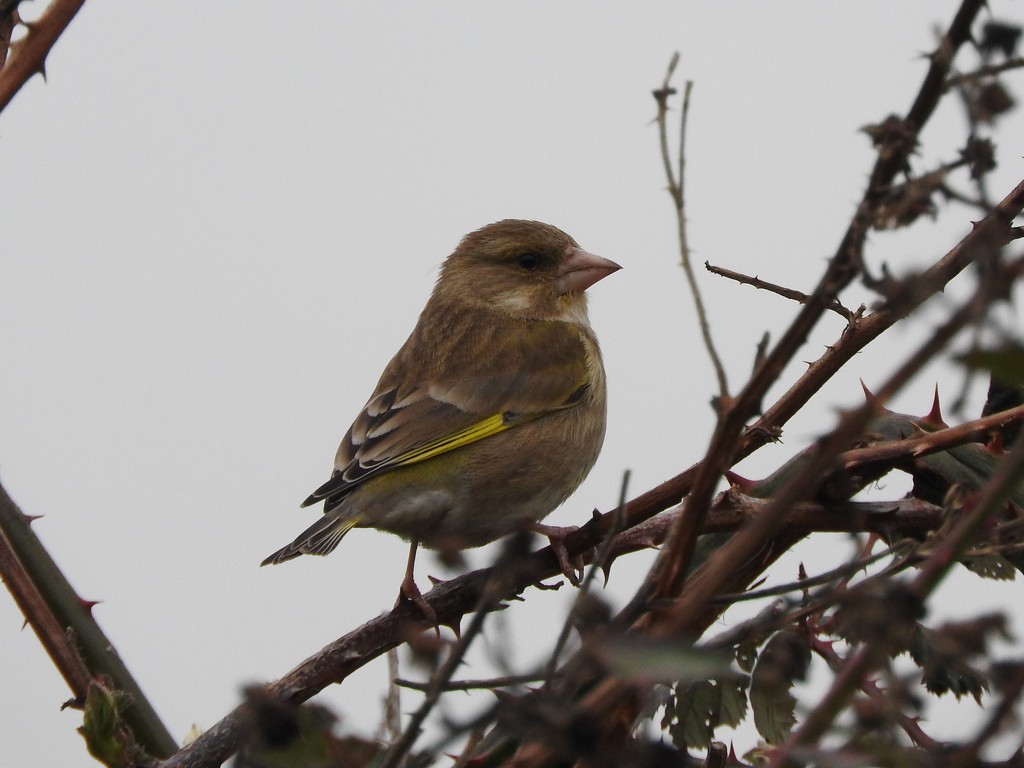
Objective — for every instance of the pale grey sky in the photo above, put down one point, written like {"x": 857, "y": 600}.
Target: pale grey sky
{"x": 220, "y": 220}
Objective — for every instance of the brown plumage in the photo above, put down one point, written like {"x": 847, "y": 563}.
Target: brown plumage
{"x": 491, "y": 413}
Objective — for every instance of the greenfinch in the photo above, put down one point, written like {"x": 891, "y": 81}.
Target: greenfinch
{"x": 492, "y": 412}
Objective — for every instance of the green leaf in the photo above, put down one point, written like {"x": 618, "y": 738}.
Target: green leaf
{"x": 746, "y": 656}
{"x": 734, "y": 701}
{"x": 106, "y": 737}
{"x": 693, "y": 714}
{"x": 990, "y": 567}
{"x": 942, "y": 659}
{"x": 783, "y": 661}
{"x": 1005, "y": 364}
{"x": 773, "y": 712}
{"x": 700, "y": 707}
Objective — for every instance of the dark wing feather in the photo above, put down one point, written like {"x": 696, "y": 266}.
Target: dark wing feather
{"x": 425, "y": 407}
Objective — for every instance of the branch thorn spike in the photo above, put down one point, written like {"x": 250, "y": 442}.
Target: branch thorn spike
{"x": 743, "y": 483}
{"x": 934, "y": 417}
{"x": 88, "y": 604}
{"x": 995, "y": 444}
{"x": 455, "y": 625}
{"x": 606, "y": 568}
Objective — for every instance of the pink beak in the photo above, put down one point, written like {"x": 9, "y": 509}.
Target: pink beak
{"x": 580, "y": 270}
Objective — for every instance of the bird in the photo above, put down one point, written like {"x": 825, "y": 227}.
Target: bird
{"x": 489, "y": 416}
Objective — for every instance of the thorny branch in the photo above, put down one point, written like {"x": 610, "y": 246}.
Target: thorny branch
{"x": 28, "y": 56}
{"x": 788, "y": 293}
{"x": 676, "y": 180}
{"x": 871, "y": 654}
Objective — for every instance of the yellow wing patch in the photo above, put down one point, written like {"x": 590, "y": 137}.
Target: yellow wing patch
{"x": 492, "y": 425}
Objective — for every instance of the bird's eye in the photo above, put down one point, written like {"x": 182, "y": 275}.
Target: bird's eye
{"x": 529, "y": 261}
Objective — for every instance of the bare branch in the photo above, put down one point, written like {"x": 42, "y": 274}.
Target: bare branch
{"x": 788, "y": 293}
{"x": 28, "y": 57}
{"x": 676, "y": 182}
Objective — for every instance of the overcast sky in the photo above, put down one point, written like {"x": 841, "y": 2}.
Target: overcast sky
{"x": 220, "y": 220}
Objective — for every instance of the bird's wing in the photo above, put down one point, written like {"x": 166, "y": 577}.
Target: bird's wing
{"x": 532, "y": 372}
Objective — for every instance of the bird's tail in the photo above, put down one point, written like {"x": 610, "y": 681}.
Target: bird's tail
{"x": 319, "y": 539}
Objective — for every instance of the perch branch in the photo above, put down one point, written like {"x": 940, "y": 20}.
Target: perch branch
{"x": 28, "y": 56}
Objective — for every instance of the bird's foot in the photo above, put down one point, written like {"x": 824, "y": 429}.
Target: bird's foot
{"x": 571, "y": 569}
{"x": 409, "y": 591}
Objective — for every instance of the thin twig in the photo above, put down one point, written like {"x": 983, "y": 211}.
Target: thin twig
{"x": 999, "y": 714}
{"x": 787, "y": 293}
{"x": 600, "y": 560}
{"x": 501, "y": 577}
{"x": 988, "y": 70}
{"x": 399, "y": 749}
{"x": 812, "y": 581}
{"x": 676, "y": 190}
{"x": 471, "y": 685}
{"x": 392, "y": 725}
{"x": 870, "y": 688}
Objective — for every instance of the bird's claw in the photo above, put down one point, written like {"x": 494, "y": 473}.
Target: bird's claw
{"x": 572, "y": 569}
{"x": 409, "y": 591}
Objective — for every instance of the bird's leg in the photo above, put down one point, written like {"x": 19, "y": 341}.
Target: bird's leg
{"x": 411, "y": 592}
{"x": 556, "y": 537}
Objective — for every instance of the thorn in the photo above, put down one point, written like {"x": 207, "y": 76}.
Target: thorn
{"x": 995, "y": 444}
{"x": 74, "y": 703}
{"x": 920, "y": 450}
{"x": 871, "y": 399}
{"x": 88, "y": 604}
{"x": 556, "y": 538}
{"x": 934, "y": 417}
{"x": 825, "y": 646}
{"x": 738, "y": 481}
{"x": 455, "y": 625}
{"x": 606, "y": 566}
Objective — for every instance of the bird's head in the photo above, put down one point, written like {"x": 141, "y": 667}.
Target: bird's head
{"x": 523, "y": 268}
